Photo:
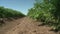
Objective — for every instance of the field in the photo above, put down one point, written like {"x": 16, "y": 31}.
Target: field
{"x": 42, "y": 18}
{"x": 9, "y": 14}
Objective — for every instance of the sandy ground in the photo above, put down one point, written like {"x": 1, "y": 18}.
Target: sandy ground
{"x": 25, "y": 25}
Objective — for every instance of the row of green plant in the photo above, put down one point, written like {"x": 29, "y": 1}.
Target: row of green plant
{"x": 47, "y": 11}
{"x": 9, "y": 13}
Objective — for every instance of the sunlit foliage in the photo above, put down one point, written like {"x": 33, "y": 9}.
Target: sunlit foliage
{"x": 47, "y": 11}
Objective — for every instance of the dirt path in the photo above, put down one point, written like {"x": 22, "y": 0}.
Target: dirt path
{"x": 25, "y": 26}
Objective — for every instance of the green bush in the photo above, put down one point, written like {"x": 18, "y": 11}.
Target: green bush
{"x": 47, "y": 11}
{"x": 6, "y": 13}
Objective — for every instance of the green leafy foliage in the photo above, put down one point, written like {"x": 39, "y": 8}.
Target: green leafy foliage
{"x": 47, "y": 11}
{"x": 9, "y": 13}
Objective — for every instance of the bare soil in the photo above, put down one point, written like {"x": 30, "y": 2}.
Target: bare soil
{"x": 24, "y": 25}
